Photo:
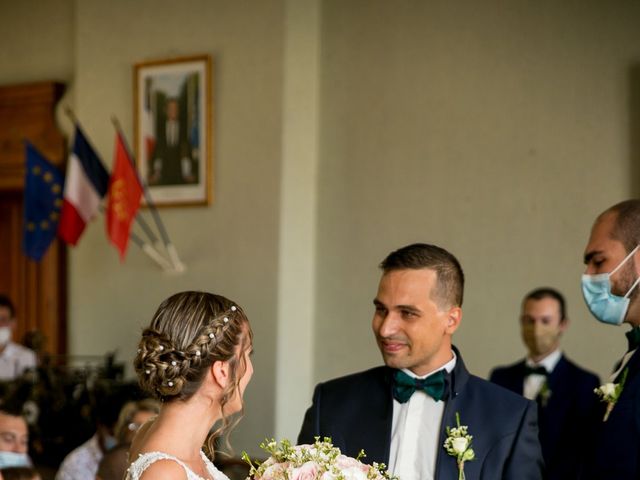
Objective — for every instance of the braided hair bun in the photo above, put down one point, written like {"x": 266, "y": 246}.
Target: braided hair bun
{"x": 188, "y": 333}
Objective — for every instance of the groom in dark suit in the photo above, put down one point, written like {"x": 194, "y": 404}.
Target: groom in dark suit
{"x": 563, "y": 391}
{"x": 401, "y": 414}
{"x": 610, "y": 288}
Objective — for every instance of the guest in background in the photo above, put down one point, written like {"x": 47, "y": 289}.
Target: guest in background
{"x": 82, "y": 463}
{"x": 133, "y": 415}
{"x": 563, "y": 390}
{"x": 14, "y": 358}
{"x": 610, "y": 289}
{"x": 14, "y": 437}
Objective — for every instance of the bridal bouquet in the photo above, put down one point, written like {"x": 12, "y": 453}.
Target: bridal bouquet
{"x": 319, "y": 461}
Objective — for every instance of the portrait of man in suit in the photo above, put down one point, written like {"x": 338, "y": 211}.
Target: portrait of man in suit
{"x": 563, "y": 390}
{"x": 399, "y": 413}
{"x": 172, "y": 161}
{"x": 610, "y": 289}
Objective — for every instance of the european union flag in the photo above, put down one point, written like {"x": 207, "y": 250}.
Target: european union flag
{"x": 42, "y": 203}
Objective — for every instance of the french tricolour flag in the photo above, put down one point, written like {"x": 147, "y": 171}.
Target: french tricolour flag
{"x": 86, "y": 183}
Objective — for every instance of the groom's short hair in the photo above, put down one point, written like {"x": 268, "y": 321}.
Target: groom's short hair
{"x": 449, "y": 275}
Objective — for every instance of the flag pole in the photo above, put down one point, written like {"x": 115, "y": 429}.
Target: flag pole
{"x": 147, "y": 248}
{"x": 151, "y": 252}
{"x": 153, "y": 238}
{"x": 168, "y": 245}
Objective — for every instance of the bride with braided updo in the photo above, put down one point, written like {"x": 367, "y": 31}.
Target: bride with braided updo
{"x": 195, "y": 357}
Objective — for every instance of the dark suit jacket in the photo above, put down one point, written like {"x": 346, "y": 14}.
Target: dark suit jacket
{"x": 356, "y": 411}
{"x": 616, "y": 453}
{"x": 565, "y": 417}
{"x": 170, "y": 156}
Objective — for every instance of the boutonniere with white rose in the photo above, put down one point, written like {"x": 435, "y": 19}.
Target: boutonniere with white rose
{"x": 610, "y": 393}
{"x": 458, "y": 445}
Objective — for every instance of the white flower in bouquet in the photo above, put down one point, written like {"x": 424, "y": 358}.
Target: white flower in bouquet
{"x": 319, "y": 461}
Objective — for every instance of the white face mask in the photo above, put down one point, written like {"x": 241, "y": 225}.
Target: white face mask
{"x": 5, "y": 335}
{"x": 13, "y": 459}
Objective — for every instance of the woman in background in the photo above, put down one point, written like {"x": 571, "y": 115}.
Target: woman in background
{"x": 133, "y": 415}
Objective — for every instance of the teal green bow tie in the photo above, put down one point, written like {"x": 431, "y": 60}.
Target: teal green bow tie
{"x": 538, "y": 370}
{"x": 404, "y": 385}
{"x": 633, "y": 337}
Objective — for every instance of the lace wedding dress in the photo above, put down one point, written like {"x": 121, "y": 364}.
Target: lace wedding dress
{"x": 145, "y": 460}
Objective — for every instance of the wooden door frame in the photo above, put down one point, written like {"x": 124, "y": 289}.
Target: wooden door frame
{"x": 38, "y": 289}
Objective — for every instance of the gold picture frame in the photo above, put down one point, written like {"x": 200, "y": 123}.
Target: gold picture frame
{"x": 173, "y": 129}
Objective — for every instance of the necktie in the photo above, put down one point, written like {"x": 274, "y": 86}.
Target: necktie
{"x": 537, "y": 370}
{"x": 633, "y": 337}
{"x": 404, "y": 385}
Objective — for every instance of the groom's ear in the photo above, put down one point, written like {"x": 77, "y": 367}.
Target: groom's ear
{"x": 220, "y": 372}
{"x": 454, "y": 316}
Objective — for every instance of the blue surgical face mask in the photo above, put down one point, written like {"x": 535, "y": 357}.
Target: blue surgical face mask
{"x": 604, "y": 305}
{"x": 13, "y": 459}
{"x": 109, "y": 442}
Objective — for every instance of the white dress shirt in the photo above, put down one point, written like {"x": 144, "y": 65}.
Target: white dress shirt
{"x": 532, "y": 384}
{"x": 172, "y": 132}
{"x": 14, "y": 360}
{"x": 81, "y": 463}
{"x": 415, "y": 432}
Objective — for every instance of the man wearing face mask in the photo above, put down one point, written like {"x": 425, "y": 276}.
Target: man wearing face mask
{"x": 610, "y": 289}
{"x": 14, "y": 438}
{"x": 563, "y": 391}
{"x": 14, "y": 358}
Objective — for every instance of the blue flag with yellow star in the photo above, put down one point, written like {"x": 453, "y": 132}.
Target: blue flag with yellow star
{"x": 42, "y": 203}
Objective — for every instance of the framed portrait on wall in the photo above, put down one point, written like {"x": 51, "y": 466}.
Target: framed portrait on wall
{"x": 173, "y": 131}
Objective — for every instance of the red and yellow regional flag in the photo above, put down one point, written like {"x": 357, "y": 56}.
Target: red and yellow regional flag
{"x": 124, "y": 198}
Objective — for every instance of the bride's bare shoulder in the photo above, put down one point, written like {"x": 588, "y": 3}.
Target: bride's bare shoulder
{"x": 164, "y": 469}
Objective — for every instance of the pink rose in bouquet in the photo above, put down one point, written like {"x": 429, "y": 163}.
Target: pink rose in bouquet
{"x": 320, "y": 461}
{"x": 308, "y": 471}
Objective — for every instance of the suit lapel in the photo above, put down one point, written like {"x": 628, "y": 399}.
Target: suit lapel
{"x": 517, "y": 380}
{"x": 446, "y": 466}
{"x": 379, "y": 418}
{"x": 551, "y": 416}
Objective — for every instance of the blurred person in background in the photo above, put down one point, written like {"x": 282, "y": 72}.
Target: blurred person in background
{"x": 14, "y": 358}
{"x": 82, "y": 463}
{"x": 132, "y": 416}
{"x": 14, "y": 437}
{"x": 562, "y": 389}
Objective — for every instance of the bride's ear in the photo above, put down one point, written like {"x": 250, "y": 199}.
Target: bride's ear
{"x": 220, "y": 373}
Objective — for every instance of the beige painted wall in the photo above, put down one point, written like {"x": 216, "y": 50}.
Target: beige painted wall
{"x": 496, "y": 129}
{"x": 230, "y": 247}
